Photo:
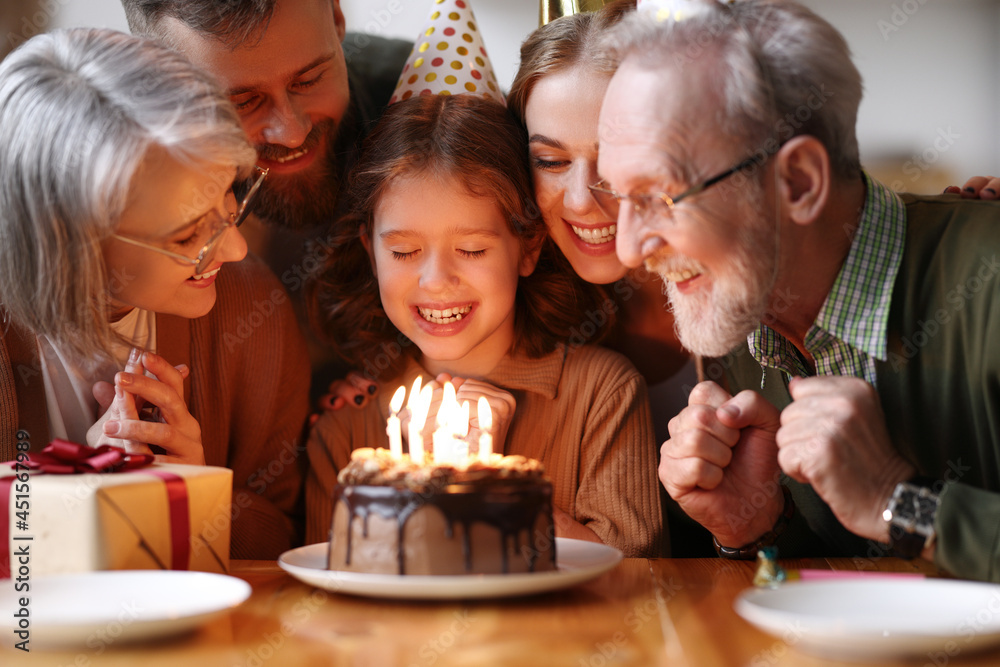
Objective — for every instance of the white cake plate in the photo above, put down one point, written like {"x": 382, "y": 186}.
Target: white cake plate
{"x": 577, "y": 560}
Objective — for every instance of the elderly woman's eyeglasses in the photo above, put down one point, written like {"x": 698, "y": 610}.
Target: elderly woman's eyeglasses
{"x": 659, "y": 203}
{"x": 221, "y": 224}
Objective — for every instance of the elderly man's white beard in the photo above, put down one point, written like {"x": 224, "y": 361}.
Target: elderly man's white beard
{"x": 712, "y": 322}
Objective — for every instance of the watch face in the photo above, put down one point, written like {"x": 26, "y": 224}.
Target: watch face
{"x": 913, "y": 508}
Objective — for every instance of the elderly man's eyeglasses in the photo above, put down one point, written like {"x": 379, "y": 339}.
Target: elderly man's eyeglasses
{"x": 220, "y": 225}
{"x": 659, "y": 203}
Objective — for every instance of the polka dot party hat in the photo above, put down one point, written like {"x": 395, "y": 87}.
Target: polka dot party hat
{"x": 674, "y": 10}
{"x": 448, "y": 57}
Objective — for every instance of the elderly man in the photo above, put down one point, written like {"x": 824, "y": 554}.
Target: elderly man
{"x": 866, "y": 323}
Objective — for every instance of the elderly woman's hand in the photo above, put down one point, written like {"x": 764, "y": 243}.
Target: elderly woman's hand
{"x": 169, "y": 426}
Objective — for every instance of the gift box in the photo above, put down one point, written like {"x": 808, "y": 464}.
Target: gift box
{"x": 160, "y": 516}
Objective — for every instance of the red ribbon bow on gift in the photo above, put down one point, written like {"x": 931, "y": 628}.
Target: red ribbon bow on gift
{"x": 62, "y": 457}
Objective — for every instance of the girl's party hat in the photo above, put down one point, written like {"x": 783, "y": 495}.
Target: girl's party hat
{"x": 448, "y": 57}
{"x": 553, "y": 9}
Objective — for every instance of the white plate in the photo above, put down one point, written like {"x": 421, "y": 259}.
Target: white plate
{"x": 577, "y": 562}
{"x": 98, "y": 609}
{"x": 877, "y": 619}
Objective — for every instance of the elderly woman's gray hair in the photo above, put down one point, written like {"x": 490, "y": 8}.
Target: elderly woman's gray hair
{"x": 79, "y": 109}
{"x": 779, "y": 69}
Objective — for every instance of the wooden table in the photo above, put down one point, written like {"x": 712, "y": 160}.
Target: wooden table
{"x": 665, "y": 612}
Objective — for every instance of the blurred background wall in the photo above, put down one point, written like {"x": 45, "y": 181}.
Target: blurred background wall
{"x": 931, "y": 112}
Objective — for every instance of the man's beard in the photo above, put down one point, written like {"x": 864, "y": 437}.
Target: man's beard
{"x": 711, "y": 323}
{"x": 309, "y": 198}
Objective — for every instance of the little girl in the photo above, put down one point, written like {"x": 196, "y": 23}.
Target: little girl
{"x": 443, "y": 271}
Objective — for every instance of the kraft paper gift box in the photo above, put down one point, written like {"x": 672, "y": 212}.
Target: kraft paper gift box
{"x": 122, "y": 520}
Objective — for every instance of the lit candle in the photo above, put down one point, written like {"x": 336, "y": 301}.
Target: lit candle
{"x": 485, "y": 424}
{"x": 444, "y": 434}
{"x": 418, "y": 417}
{"x": 460, "y": 429}
{"x": 392, "y": 427}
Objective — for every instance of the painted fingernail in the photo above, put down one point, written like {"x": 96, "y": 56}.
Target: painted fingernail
{"x": 110, "y": 428}
{"x": 359, "y": 399}
{"x": 125, "y": 379}
{"x": 133, "y": 356}
{"x": 372, "y": 388}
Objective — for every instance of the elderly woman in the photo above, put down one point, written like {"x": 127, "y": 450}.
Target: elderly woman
{"x": 128, "y": 314}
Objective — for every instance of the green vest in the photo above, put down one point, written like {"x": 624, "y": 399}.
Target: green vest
{"x": 939, "y": 386}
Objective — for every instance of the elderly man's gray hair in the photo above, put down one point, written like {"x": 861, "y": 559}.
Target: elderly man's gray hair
{"x": 778, "y": 69}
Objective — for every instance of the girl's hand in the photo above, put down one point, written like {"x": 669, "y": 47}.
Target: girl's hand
{"x": 502, "y": 405}
{"x": 354, "y": 390}
{"x": 168, "y": 426}
{"x": 977, "y": 187}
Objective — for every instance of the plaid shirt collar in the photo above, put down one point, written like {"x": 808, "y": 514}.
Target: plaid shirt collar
{"x": 851, "y": 329}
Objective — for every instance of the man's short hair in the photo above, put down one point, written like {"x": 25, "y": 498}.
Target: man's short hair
{"x": 779, "y": 71}
{"x": 233, "y": 22}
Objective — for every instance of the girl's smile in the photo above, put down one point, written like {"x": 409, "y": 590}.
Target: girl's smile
{"x": 448, "y": 266}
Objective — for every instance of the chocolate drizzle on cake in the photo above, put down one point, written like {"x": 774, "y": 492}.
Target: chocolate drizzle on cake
{"x": 512, "y": 507}
{"x": 504, "y": 505}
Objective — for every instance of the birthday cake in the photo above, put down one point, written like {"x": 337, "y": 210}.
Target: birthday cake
{"x": 391, "y": 516}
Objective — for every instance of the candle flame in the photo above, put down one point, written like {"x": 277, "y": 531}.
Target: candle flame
{"x": 397, "y": 400}
{"x": 460, "y": 422}
{"x": 414, "y": 392}
{"x": 485, "y": 414}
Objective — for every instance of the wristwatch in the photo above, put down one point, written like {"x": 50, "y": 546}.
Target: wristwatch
{"x": 910, "y": 515}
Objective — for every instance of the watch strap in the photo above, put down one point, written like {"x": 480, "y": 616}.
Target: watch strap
{"x": 749, "y": 551}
